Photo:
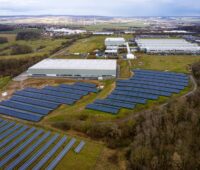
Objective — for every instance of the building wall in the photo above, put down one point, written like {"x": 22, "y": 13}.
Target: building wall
{"x": 73, "y": 73}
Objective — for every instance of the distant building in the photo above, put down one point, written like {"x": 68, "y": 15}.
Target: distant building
{"x": 78, "y": 68}
{"x": 64, "y": 31}
{"x": 167, "y": 46}
{"x": 102, "y": 33}
{"x": 114, "y": 41}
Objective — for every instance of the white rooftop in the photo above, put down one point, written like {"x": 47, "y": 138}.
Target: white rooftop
{"x": 81, "y": 64}
{"x": 115, "y": 39}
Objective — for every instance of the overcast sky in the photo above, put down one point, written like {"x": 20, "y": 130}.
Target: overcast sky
{"x": 101, "y": 7}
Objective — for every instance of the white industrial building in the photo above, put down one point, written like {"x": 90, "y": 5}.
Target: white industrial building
{"x": 77, "y": 68}
{"x": 114, "y": 41}
{"x": 167, "y": 46}
{"x": 102, "y": 33}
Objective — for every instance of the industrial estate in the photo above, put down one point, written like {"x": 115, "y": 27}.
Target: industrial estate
{"x": 81, "y": 97}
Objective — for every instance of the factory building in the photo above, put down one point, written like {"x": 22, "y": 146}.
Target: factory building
{"x": 114, "y": 42}
{"x": 167, "y": 46}
{"x": 77, "y": 68}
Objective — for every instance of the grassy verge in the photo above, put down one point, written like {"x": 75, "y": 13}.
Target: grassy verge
{"x": 4, "y": 81}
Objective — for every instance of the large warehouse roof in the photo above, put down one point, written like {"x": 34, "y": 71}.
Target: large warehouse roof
{"x": 166, "y": 45}
{"x": 82, "y": 64}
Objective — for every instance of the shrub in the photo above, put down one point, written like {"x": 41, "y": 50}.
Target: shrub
{"x": 20, "y": 49}
{"x": 3, "y": 40}
{"x": 28, "y": 35}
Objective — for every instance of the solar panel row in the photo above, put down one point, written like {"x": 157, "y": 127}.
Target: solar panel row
{"x": 160, "y": 72}
{"x": 136, "y": 94}
{"x": 91, "y": 85}
{"x": 3, "y": 123}
{"x": 20, "y": 115}
{"x": 41, "y": 103}
{"x": 9, "y": 131}
{"x": 25, "y": 140}
{"x": 161, "y": 85}
{"x": 128, "y": 99}
{"x": 53, "y": 164}
{"x": 66, "y": 89}
{"x": 134, "y": 81}
{"x": 28, "y": 108}
{"x": 20, "y": 148}
{"x": 13, "y": 164}
{"x": 6, "y": 127}
{"x": 164, "y": 74}
{"x": 170, "y": 90}
{"x": 144, "y": 85}
{"x": 79, "y": 147}
{"x": 5, "y": 150}
{"x": 160, "y": 79}
{"x": 52, "y": 93}
{"x": 50, "y": 154}
{"x": 5, "y": 141}
{"x": 148, "y": 91}
{"x": 45, "y": 97}
{"x": 110, "y": 102}
{"x": 38, "y": 153}
{"x": 102, "y": 108}
{"x": 32, "y": 104}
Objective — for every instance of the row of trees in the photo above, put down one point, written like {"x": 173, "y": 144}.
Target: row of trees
{"x": 13, "y": 67}
{"x": 28, "y": 35}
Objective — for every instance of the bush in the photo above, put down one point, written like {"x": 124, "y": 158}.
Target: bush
{"x": 20, "y": 49}
{"x": 3, "y": 40}
{"x": 62, "y": 125}
{"x": 28, "y": 35}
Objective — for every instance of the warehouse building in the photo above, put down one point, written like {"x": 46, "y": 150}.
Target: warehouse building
{"x": 78, "y": 68}
{"x": 114, "y": 42}
{"x": 171, "y": 46}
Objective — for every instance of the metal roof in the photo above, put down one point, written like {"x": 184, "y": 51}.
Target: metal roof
{"x": 80, "y": 64}
{"x": 115, "y": 39}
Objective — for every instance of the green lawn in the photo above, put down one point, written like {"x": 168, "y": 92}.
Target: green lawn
{"x": 176, "y": 63}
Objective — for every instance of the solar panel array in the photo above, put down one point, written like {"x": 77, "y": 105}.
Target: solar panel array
{"x": 36, "y": 147}
{"x": 143, "y": 86}
{"x": 33, "y": 104}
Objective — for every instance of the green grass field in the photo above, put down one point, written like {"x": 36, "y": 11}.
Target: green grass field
{"x": 176, "y": 63}
{"x": 87, "y": 45}
{"x": 40, "y": 47}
